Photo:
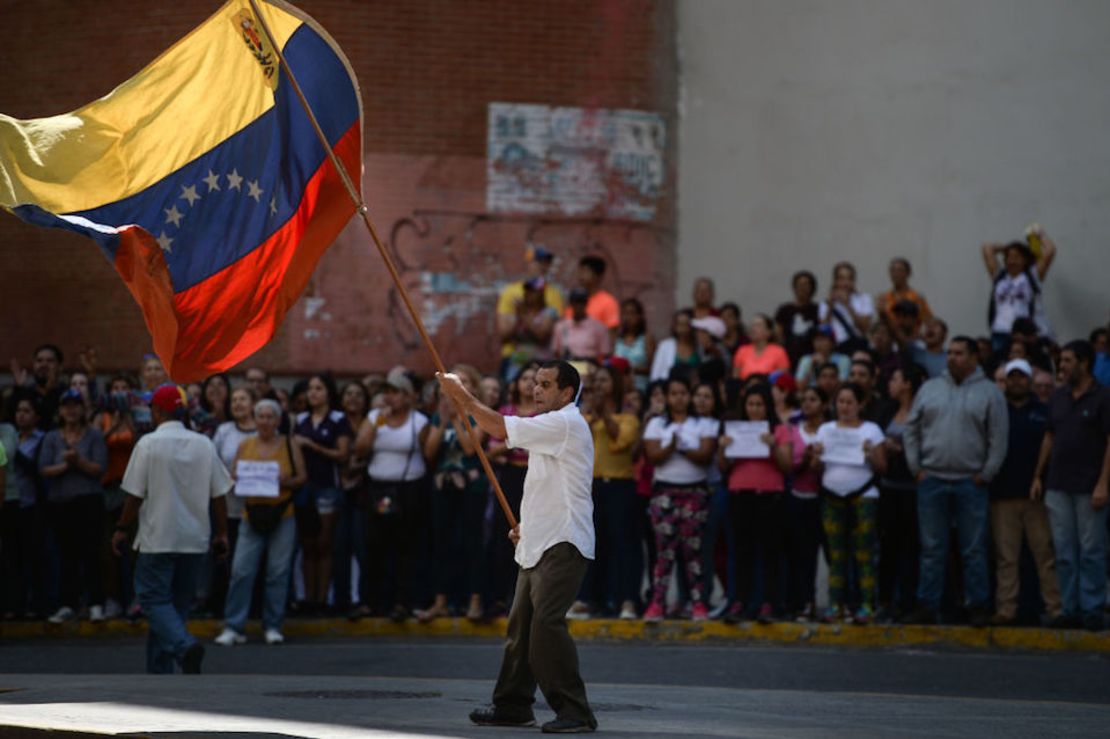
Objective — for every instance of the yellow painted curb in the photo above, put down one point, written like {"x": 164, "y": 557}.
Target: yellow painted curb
{"x": 1031, "y": 639}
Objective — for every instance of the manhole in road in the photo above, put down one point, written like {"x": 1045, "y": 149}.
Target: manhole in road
{"x": 362, "y": 695}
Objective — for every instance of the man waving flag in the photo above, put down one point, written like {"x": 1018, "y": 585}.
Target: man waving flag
{"x": 202, "y": 180}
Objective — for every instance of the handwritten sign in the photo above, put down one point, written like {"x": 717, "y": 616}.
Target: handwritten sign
{"x": 843, "y": 446}
{"x": 746, "y": 439}
{"x": 257, "y": 479}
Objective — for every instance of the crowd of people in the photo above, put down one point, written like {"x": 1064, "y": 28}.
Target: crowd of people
{"x": 957, "y": 479}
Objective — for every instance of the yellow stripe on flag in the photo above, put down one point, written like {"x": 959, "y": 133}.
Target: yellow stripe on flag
{"x": 202, "y": 90}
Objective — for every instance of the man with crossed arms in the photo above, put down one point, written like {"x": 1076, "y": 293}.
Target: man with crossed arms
{"x": 554, "y": 540}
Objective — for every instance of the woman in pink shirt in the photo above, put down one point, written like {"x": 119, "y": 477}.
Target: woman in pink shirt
{"x": 757, "y": 501}
{"x": 761, "y": 356}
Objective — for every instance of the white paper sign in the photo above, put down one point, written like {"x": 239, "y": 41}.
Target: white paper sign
{"x": 257, "y": 479}
{"x": 746, "y": 442}
{"x": 843, "y": 446}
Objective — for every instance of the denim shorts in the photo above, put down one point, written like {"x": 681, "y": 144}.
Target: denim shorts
{"x": 326, "y": 499}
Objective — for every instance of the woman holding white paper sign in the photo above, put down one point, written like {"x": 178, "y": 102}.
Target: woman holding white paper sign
{"x": 852, "y": 457}
{"x": 681, "y": 447}
{"x": 803, "y": 528}
{"x": 269, "y": 526}
{"x": 757, "y": 501}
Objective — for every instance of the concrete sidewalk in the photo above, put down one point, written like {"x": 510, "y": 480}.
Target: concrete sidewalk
{"x": 224, "y": 707}
{"x": 840, "y": 635}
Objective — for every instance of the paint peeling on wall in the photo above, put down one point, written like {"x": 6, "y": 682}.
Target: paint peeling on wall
{"x": 574, "y": 161}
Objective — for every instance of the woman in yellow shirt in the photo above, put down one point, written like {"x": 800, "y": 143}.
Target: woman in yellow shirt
{"x": 268, "y": 525}
{"x": 616, "y": 573}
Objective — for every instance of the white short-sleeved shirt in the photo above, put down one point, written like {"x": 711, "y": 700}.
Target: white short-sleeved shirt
{"x": 843, "y": 479}
{"x": 176, "y": 472}
{"x": 1012, "y": 297}
{"x": 557, "y": 505}
{"x": 678, "y": 469}
{"x": 861, "y": 303}
{"x": 397, "y": 455}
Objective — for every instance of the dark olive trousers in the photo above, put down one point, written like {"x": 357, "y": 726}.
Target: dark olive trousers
{"x": 540, "y": 650}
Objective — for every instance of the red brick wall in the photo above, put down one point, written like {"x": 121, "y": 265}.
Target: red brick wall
{"x": 428, "y": 70}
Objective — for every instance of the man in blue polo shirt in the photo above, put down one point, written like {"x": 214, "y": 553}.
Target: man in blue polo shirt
{"x": 1077, "y": 458}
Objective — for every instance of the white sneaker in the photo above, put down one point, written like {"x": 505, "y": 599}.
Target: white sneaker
{"x": 579, "y": 611}
{"x": 63, "y": 614}
{"x": 96, "y": 613}
{"x": 628, "y": 611}
{"x": 230, "y": 637}
{"x": 273, "y": 636}
{"x": 112, "y": 609}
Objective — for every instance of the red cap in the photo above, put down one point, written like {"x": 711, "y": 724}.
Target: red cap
{"x": 168, "y": 399}
{"x": 786, "y": 382}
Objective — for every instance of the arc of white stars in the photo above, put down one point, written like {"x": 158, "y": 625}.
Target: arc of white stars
{"x": 174, "y": 216}
{"x": 234, "y": 181}
{"x": 190, "y": 193}
{"x": 273, "y": 205}
{"x": 212, "y": 180}
{"x": 254, "y": 191}
{"x": 165, "y": 242}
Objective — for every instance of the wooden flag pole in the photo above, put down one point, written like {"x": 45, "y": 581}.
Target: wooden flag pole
{"x": 364, "y": 212}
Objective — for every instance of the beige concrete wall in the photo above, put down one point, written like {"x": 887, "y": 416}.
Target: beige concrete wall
{"x": 817, "y": 131}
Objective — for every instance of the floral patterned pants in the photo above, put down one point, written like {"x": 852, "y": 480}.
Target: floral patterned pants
{"x": 678, "y": 515}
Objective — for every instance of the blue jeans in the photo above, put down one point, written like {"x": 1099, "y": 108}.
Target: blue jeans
{"x": 278, "y": 545}
{"x": 1079, "y": 537}
{"x": 718, "y": 523}
{"x": 350, "y": 541}
{"x": 164, "y": 585}
{"x": 939, "y": 503}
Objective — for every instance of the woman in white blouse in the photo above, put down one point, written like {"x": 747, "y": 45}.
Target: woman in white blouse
{"x": 681, "y": 446}
{"x": 852, "y": 456}
{"x": 850, "y": 313}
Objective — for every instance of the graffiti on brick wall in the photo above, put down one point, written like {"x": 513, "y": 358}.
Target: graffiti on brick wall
{"x": 574, "y": 161}
{"x": 454, "y": 266}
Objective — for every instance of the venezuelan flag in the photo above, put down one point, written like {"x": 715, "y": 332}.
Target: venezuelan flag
{"x": 202, "y": 179}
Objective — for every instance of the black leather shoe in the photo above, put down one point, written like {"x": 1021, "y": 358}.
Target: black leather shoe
{"x": 495, "y": 716}
{"x": 190, "y": 661}
{"x": 569, "y": 726}
{"x": 979, "y": 616}
{"x": 1094, "y": 622}
{"x": 921, "y": 616}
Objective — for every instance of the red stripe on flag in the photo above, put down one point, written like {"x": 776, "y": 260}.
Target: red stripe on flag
{"x": 235, "y": 312}
{"x": 142, "y": 265}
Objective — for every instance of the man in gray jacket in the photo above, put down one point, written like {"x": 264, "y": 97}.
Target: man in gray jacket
{"x": 955, "y": 442}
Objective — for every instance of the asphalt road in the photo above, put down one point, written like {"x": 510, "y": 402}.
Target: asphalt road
{"x": 995, "y": 675}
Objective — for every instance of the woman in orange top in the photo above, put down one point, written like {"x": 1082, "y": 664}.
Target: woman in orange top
{"x": 264, "y": 529}
{"x": 762, "y": 356}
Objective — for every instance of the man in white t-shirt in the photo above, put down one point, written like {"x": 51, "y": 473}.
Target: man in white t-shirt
{"x": 172, "y": 479}
{"x": 554, "y": 540}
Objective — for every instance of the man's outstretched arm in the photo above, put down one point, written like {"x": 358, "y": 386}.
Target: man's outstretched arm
{"x": 489, "y": 420}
